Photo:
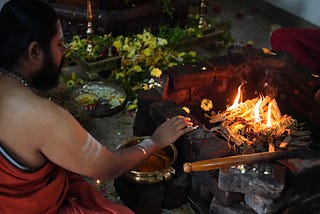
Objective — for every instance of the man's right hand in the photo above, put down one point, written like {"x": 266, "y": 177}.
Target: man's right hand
{"x": 169, "y": 131}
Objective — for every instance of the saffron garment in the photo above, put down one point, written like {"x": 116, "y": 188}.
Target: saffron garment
{"x": 302, "y": 43}
{"x": 49, "y": 190}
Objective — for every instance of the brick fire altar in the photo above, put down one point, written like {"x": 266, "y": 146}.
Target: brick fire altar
{"x": 286, "y": 186}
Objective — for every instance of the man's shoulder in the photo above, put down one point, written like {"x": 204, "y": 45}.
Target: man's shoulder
{"x": 48, "y": 107}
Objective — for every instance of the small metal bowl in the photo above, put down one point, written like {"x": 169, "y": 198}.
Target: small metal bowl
{"x": 157, "y": 168}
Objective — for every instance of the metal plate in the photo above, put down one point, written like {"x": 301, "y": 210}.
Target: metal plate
{"x": 111, "y": 97}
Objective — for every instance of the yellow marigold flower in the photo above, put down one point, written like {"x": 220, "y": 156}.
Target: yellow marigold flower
{"x": 126, "y": 47}
{"x": 137, "y": 43}
{"x": 171, "y": 64}
{"x": 137, "y": 68}
{"x": 156, "y": 72}
{"x": 181, "y": 54}
{"x": 206, "y": 104}
{"x": 192, "y": 54}
{"x": 131, "y": 52}
{"x": 186, "y": 109}
{"x": 147, "y": 52}
{"x": 126, "y": 40}
{"x": 162, "y": 41}
{"x": 120, "y": 75}
{"x": 199, "y": 35}
{"x": 152, "y": 43}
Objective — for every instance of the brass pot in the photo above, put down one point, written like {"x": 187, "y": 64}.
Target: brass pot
{"x": 157, "y": 168}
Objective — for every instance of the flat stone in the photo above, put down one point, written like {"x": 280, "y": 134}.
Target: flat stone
{"x": 297, "y": 165}
{"x": 216, "y": 207}
{"x": 260, "y": 204}
{"x": 300, "y": 195}
{"x": 205, "y": 186}
{"x": 264, "y": 179}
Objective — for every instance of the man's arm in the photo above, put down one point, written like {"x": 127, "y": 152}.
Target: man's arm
{"x": 69, "y": 145}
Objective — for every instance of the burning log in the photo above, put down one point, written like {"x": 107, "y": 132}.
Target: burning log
{"x": 257, "y": 125}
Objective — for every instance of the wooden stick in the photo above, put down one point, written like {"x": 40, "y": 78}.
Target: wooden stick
{"x": 227, "y": 162}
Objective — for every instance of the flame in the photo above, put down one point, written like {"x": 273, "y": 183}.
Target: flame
{"x": 263, "y": 110}
{"x": 269, "y": 116}
{"x": 257, "y": 120}
{"x": 256, "y": 112}
{"x": 237, "y": 99}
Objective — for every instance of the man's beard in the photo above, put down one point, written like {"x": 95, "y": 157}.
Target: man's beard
{"x": 48, "y": 76}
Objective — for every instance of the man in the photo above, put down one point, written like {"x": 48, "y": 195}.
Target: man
{"x": 303, "y": 44}
{"x": 43, "y": 149}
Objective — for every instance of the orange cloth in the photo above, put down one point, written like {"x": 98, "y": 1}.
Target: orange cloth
{"x": 50, "y": 190}
{"x": 84, "y": 198}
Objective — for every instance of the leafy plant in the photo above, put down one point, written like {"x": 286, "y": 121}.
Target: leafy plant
{"x": 140, "y": 55}
{"x": 100, "y": 47}
{"x": 177, "y": 35}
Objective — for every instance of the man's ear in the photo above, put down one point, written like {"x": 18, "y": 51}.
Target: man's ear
{"x": 34, "y": 51}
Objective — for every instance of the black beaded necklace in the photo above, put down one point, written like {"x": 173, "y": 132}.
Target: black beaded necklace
{"x": 16, "y": 76}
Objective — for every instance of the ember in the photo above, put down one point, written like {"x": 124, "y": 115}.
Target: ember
{"x": 256, "y": 125}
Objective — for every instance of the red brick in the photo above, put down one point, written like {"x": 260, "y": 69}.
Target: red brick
{"x": 179, "y": 96}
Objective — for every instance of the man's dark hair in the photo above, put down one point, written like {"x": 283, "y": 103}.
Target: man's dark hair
{"x": 22, "y": 22}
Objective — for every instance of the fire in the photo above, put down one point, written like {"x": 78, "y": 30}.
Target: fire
{"x": 237, "y": 99}
{"x": 254, "y": 125}
{"x": 269, "y": 115}
{"x": 258, "y": 114}
{"x": 256, "y": 111}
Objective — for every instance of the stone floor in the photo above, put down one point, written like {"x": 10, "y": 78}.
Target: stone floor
{"x": 251, "y": 21}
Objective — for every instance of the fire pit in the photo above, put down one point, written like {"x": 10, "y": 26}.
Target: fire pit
{"x": 262, "y": 185}
{"x": 257, "y": 125}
